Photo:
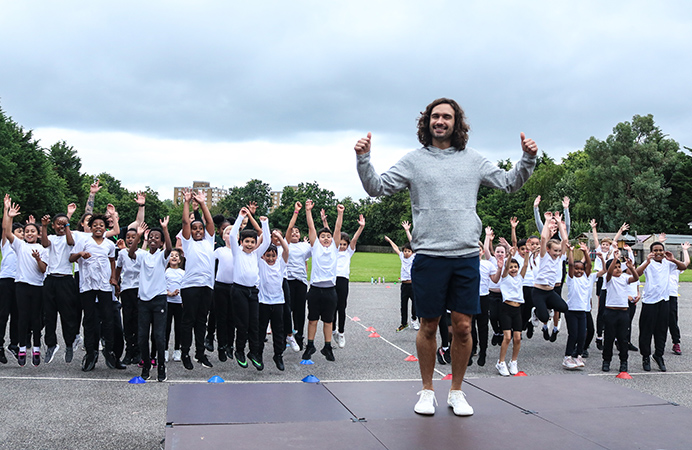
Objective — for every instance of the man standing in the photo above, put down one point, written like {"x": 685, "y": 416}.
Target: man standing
{"x": 443, "y": 178}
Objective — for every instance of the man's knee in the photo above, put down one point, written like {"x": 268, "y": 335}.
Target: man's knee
{"x": 428, "y": 327}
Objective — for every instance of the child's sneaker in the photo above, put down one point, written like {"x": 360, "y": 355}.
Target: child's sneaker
{"x": 501, "y": 367}
{"x": 402, "y": 327}
{"x": 36, "y": 358}
{"x": 292, "y": 342}
{"x": 426, "y": 403}
{"x": 145, "y": 373}
{"x": 441, "y": 356}
{"x": 513, "y": 369}
{"x": 534, "y": 319}
{"x": 166, "y": 355}
{"x": 161, "y": 373}
{"x": 457, "y": 400}
{"x": 176, "y": 355}
{"x": 21, "y": 358}
{"x": 415, "y": 324}
{"x": 569, "y": 363}
{"x": 579, "y": 361}
{"x": 676, "y": 349}
{"x": 342, "y": 340}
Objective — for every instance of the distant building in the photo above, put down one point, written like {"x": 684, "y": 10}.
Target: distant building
{"x": 214, "y": 194}
{"x": 276, "y": 199}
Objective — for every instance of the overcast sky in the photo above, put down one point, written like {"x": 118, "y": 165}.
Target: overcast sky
{"x": 163, "y": 93}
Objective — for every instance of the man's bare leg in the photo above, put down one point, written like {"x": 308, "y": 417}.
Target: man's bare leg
{"x": 461, "y": 348}
{"x": 426, "y": 344}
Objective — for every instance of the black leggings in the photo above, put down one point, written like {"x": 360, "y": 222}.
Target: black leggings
{"x": 480, "y": 323}
{"x": 406, "y": 294}
{"x": 494, "y": 302}
{"x": 196, "y": 301}
{"x": 341, "y": 300}
{"x": 576, "y": 332}
{"x": 545, "y": 300}
{"x": 299, "y": 292}
{"x": 672, "y": 319}
{"x": 225, "y": 323}
{"x": 599, "y": 316}
{"x": 590, "y": 330}
{"x": 30, "y": 312}
{"x": 175, "y": 311}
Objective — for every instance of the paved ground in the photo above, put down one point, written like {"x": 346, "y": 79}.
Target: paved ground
{"x": 59, "y": 406}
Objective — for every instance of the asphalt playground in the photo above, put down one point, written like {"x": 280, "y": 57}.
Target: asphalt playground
{"x": 57, "y": 406}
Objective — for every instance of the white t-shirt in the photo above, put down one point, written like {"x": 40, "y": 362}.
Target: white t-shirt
{"x": 579, "y": 292}
{"x": 224, "y": 273}
{"x": 77, "y": 236}
{"x": 199, "y": 261}
{"x": 8, "y": 267}
{"x": 27, "y": 266}
{"x": 406, "y": 264}
{"x": 323, "y": 273}
{"x": 246, "y": 265}
{"x": 549, "y": 270}
{"x": 486, "y": 269}
{"x": 174, "y": 279}
{"x": 129, "y": 269}
{"x": 657, "y": 280}
{"x": 674, "y": 282}
{"x": 511, "y": 288}
{"x": 152, "y": 268}
{"x": 59, "y": 256}
{"x": 343, "y": 262}
{"x": 618, "y": 290}
{"x": 95, "y": 271}
{"x": 271, "y": 282}
{"x": 298, "y": 254}
{"x": 528, "y": 278}
{"x": 491, "y": 283}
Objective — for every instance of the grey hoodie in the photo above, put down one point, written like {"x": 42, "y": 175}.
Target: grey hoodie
{"x": 443, "y": 185}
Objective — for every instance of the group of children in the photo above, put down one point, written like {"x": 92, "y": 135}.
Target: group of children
{"x": 133, "y": 288}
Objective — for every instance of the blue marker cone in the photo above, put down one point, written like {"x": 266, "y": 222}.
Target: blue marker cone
{"x": 310, "y": 379}
{"x": 215, "y": 379}
{"x": 307, "y": 362}
{"x": 137, "y": 380}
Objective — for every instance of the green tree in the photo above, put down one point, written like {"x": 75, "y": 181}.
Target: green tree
{"x": 383, "y": 217}
{"x": 254, "y": 191}
{"x": 67, "y": 165}
{"x": 323, "y": 199}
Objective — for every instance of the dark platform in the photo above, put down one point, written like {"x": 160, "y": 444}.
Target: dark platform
{"x": 576, "y": 412}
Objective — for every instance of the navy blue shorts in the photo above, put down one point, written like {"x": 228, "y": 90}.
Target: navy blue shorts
{"x": 441, "y": 284}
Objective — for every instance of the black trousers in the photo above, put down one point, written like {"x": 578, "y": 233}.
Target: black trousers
{"x": 616, "y": 325}
{"x": 527, "y": 306}
{"x": 576, "y": 332}
{"x": 288, "y": 319}
{"x": 196, "y": 301}
{"x": 95, "y": 314}
{"x": 480, "y": 323}
{"x": 406, "y": 294}
{"x": 494, "y": 302}
{"x": 299, "y": 295}
{"x": 8, "y": 311}
{"x": 29, "y": 311}
{"x": 545, "y": 300}
{"x": 275, "y": 315}
{"x": 153, "y": 313}
{"x": 653, "y": 322}
{"x": 632, "y": 311}
{"x": 590, "y": 330}
{"x": 130, "y": 306}
{"x": 225, "y": 325}
{"x": 60, "y": 296}
{"x": 175, "y": 312}
{"x": 599, "y": 315}
{"x": 673, "y": 320}
{"x": 246, "y": 315}
{"x": 341, "y": 301}
{"x": 211, "y": 319}
{"x": 443, "y": 326}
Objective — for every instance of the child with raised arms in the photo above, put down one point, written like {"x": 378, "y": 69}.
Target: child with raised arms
{"x": 8, "y": 300}
{"x": 245, "y": 290}
{"x": 480, "y": 321}
{"x": 322, "y": 297}
{"x": 31, "y": 266}
{"x": 127, "y": 272}
{"x": 271, "y": 298}
{"x": 510, "y": 312}
{"x": 152, "y": 305}
{"x": 347, "y": 248}
{"x": 406, "y": 256}
{"x": 174, "y": 277}
{"x": 296, "y": 271}
{"x": 579, "y": 287}
{"x": 223, "y": 298}
{"x": 198, "y": 282}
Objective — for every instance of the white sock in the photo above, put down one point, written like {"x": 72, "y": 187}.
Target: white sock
{"x": 22, "y": 349}
{"x": 37, "y": 349}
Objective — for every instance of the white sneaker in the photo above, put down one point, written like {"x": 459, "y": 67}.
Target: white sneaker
{"x": 292, "y": 342}
{"x": 502, "y": 368}
{"x": 568, "y": 363}
{"x": 415, "y": 324}
{"x": 426, "y": 403}
{"x": 176, "y": 355}
{"x": 457, "y": 400}
{"x": 513, "y": 370}
{"x": 342, "y": 340}
{"x": 534, "y": 319}
{"x": 165, "y": 355}
{"x": 579, "y": 361}
{"x": 77, "y": 342}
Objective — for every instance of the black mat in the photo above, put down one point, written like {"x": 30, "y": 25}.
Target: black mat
{"x": 577, "y": 412}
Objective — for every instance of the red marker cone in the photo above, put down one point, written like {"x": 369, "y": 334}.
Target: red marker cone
{"x": 521, "y": 374}
{"x": 447, "y": 377}
{"x": 370, "y": 329}
{"x": 410, "y": 358}
{"x": 356, "y": 319}
{"x": 624, "y": 376}
{"x": 374, "y": 335}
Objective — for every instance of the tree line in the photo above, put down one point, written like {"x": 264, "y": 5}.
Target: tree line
{"x": 636, "y": 175}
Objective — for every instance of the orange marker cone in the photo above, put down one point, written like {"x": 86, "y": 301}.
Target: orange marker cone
{"x": 624, "y": 376}
{"x": 356, "y": 319}
{"x": 410, "y": 358}
{"x": 521, "y": 374}
{"x": 370, "y": 329}
{"x": 447, "y": 377}
{"x": 374, "y": 335}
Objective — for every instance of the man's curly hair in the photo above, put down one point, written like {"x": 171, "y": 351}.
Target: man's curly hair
{"x": 460, "y": 134}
